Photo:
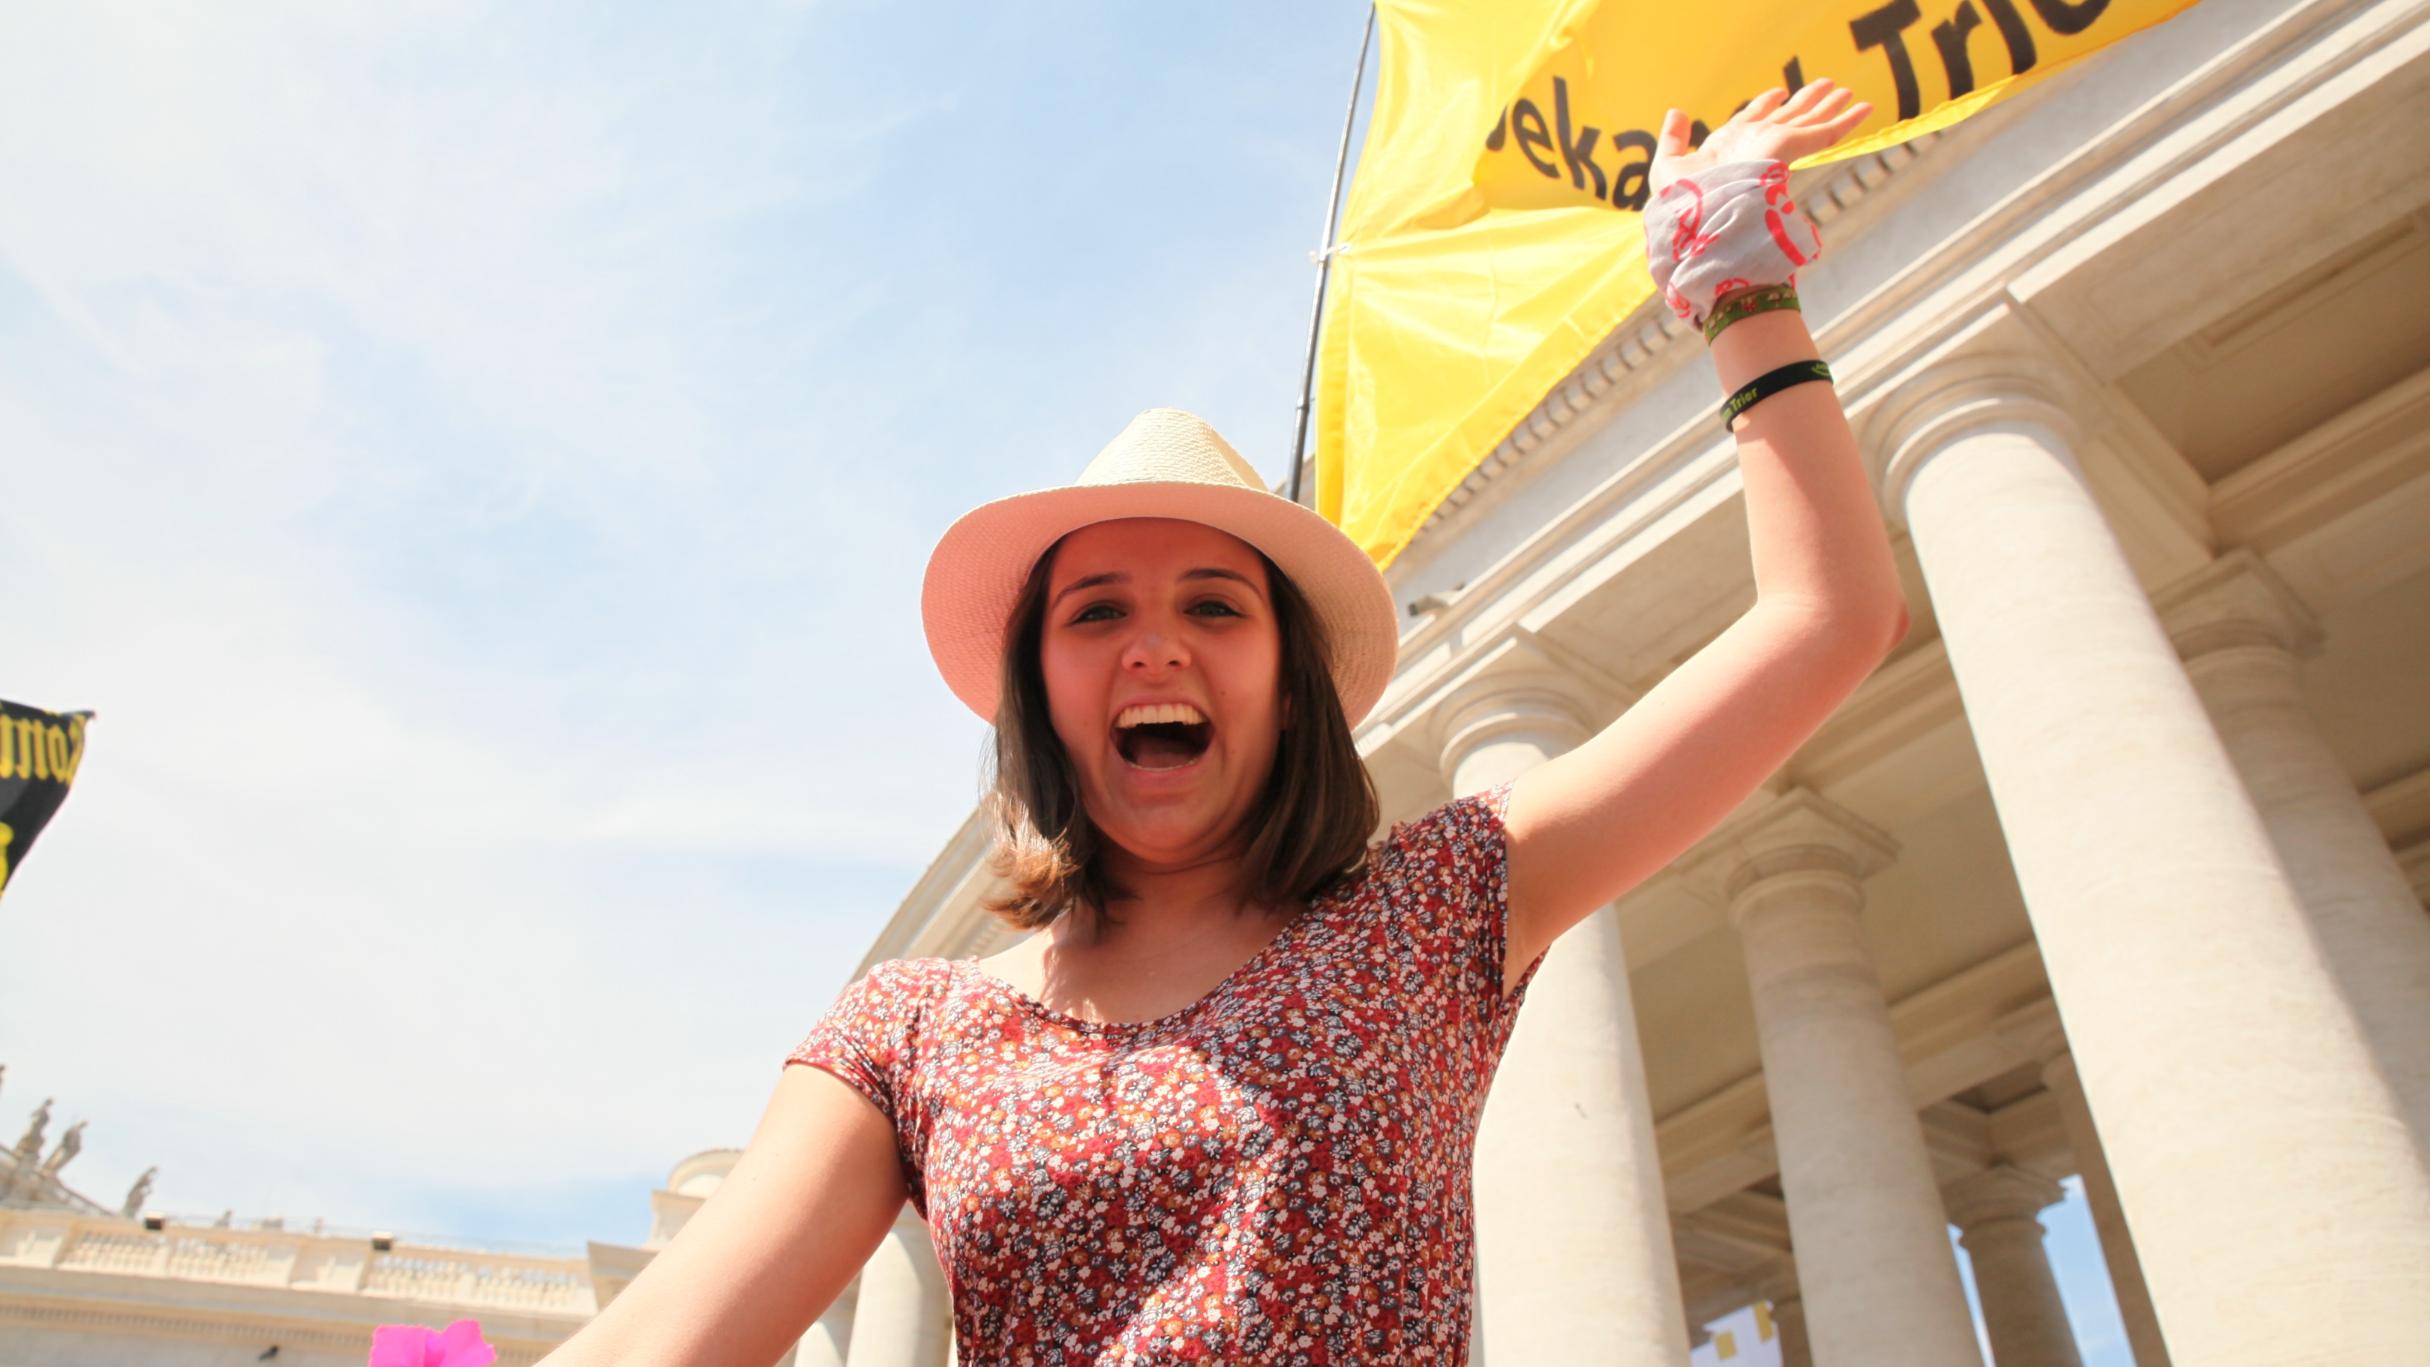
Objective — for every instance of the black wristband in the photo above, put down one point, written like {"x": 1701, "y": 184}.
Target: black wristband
{"x": 1769, "y": 383}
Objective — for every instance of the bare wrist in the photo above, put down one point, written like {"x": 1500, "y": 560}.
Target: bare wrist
{"x": 1764, "y": 342}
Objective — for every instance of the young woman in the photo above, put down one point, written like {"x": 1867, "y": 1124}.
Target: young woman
{"x": 1222, "y": 1106}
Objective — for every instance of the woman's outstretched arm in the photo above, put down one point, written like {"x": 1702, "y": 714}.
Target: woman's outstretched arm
{"x": 1591, "y": 824}
{"x": 780, "y": 1238}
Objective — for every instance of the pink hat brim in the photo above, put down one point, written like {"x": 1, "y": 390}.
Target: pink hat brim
{"x": 976, "y": 572}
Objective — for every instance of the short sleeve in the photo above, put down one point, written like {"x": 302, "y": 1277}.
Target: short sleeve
{"x": 1446, "y": 879}
{"x": 871, "y": 1041}
{"x": 863, "y": 1037}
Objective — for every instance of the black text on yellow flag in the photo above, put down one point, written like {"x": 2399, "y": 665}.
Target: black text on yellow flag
{"x": 1583, "y": 127}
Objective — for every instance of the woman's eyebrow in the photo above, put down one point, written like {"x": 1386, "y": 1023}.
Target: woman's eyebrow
{"x": 1088, "y": 581}
{"x": 1218, "y": 572}
{"x": 1091, "y": 581}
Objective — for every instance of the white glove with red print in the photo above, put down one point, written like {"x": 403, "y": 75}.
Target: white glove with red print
{"x": 1728, "y": 228}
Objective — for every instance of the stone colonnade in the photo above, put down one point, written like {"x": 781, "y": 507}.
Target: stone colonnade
{"x": 2183, "y": 952}
{"x": 2216, "y": 912}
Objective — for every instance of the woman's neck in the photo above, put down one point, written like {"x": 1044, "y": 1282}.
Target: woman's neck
{"x": 1166, "y": 904}
{"x": 1180, "y": 933}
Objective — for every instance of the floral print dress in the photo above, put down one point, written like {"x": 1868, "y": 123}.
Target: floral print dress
{"x": 1276, "y": 1174}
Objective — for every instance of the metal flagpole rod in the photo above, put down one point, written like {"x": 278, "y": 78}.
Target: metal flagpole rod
{"x": 1324, "y": 259}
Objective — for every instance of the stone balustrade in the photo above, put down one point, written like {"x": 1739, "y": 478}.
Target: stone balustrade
{"x": 296, "y": 1261}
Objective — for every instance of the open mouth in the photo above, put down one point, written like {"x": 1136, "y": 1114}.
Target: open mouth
{"x": 1162, "y": 735}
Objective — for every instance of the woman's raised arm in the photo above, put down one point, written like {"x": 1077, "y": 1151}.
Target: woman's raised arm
{"x": 780, "y": 1238}
{"x": 1589, "y": 825}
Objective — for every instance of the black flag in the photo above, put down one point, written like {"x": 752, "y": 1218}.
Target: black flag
{"x": 39, "y": 755}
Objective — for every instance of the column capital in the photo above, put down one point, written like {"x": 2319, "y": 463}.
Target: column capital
{"x": 1800, "y": 835}
{"x": 2002, "y": 1192}
{"x": 1525, "y": 688}
{"x": 2236, "y": 601}
{"x": 1490, "y": 711}
{"x": 1958, "y": 396}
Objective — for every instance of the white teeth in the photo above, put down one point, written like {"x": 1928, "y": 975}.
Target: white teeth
{"x": 1158, "y": 714}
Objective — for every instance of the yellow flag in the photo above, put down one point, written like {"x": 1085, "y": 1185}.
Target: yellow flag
{"x": 1492, "y": 234}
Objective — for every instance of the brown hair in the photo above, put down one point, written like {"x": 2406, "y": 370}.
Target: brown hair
{"x": 1311, "y": 825}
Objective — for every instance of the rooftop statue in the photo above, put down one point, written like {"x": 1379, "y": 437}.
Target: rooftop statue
{"x": 138, "y": 1194}
{"x": 70, "y": 1144}
{"x": 30, "y": 1147}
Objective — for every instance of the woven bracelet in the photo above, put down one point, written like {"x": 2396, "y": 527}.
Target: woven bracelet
{"x": 1746, "y": 304}
{"x": 1769, "y": 383}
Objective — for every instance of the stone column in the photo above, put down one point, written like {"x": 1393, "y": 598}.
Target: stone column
{"x": 901, "y": 1318}
{"x": 1874, "y": 1265}
{"x": 2279, "y": 1202}
{"x": 1573, "y": 1237}
{"x": 829, "y": 1338}
{"x": 2241, "y": 631}
{"x": 1995, "y": 1212}
{"x": 2109, "y": 1220}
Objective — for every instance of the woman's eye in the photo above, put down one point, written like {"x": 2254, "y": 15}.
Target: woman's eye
{"x": 1096, "y": 612}
{"x": 1216, "y": 607}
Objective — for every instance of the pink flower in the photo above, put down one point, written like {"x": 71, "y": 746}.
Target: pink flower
{"x": 411, "y": 1345}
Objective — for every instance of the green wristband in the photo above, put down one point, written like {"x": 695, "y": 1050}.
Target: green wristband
{"x": 1746, "y": 304}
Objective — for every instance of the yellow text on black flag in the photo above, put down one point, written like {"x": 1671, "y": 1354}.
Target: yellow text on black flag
{"x": 40, "y": 753}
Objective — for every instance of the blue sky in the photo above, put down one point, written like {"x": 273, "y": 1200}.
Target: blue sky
{"x": 477, "y": 461}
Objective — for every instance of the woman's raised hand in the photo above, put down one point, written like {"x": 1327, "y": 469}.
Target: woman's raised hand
{"x": 1774, "y": 126}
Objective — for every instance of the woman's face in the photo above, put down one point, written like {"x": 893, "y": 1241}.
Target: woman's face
{"x": 1161, "y": 656}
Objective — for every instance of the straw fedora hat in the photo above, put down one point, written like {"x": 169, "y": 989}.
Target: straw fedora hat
{"x": 1167, "y": 463}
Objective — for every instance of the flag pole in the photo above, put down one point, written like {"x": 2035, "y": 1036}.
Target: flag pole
{"x": 1324, "y": 258}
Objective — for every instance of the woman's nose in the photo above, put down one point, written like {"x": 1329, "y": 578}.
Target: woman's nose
{"x": 1154, "y": 650}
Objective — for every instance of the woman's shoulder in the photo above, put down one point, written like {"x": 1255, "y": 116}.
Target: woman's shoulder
{"x": 1462, "y": 825}
{"x": 919, "y": 972}
{"x": 903, "y": 990}
{"x": 1459, "y": 841}
{"x": 1435, "y": 892}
